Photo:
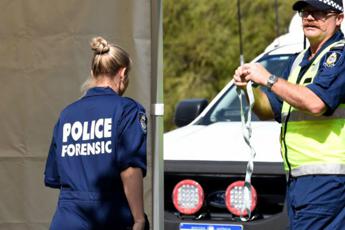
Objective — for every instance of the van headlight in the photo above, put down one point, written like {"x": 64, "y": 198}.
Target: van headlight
{"x": 188, "y": 197}
{"x": 235, "y": 200}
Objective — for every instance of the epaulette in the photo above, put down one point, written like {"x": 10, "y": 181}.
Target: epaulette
{"x": 339, "y": 46}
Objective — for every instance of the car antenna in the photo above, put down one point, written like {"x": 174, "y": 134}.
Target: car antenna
{"x": 239, "y": 18}
{"x": 304, "y": 42}
{"x": 277, "y": 16}
{"x": 246, "y": 131}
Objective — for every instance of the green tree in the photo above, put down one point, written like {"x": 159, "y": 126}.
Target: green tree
{"x": 201, "y": 44}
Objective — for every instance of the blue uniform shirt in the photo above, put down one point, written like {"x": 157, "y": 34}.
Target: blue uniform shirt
{"x": 94, "y": 140}
{"x": 328, "y": 84}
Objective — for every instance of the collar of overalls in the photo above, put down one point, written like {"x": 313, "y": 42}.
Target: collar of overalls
{"x": 96, "y": 91}
{"x": 336, "y": 37}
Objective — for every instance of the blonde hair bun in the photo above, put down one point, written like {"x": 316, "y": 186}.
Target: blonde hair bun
{"x": 99, "y": 45}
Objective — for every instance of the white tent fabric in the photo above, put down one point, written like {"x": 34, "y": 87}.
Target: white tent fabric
{"x": 44, "y": 58}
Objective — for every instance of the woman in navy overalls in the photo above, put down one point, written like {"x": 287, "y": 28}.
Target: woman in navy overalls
{"x": 97, "y": 156}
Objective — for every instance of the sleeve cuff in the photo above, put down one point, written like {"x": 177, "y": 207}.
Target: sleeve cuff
{"x": 52, "y": 183}
{"x": 134, "y": 165}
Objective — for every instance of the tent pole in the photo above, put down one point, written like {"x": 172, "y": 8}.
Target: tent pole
{"x": 157, "y": 111}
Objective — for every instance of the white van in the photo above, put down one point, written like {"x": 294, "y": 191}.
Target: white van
{"x": 208, "y": 153}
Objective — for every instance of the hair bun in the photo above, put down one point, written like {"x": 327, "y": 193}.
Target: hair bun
{"x": 99, "y": 45}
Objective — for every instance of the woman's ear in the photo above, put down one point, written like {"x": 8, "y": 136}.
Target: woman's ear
{"x": 122, "y": 73}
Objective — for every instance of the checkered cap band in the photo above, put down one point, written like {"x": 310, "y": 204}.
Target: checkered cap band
{"x": 332, "y": 4}
{"x": 325, "y": 5}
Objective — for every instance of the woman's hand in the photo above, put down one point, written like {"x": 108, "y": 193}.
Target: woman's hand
{"x": 139, "y": 225}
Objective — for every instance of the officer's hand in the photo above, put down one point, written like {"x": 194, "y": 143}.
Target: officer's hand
{"x": 255, "y": 72}
{"x": 240, "y": 78}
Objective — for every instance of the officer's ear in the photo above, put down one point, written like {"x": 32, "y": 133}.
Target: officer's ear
{"x": 122, "y": 72}
{"x": 339, "y": 19}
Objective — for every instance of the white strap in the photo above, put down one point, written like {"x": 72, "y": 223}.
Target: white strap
{"x": 247, "y": 132}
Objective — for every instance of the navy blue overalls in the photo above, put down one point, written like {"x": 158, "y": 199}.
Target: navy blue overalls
{"x": 95, "y": 139}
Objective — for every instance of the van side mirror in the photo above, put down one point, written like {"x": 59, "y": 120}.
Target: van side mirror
{"x": 188, "y": 110}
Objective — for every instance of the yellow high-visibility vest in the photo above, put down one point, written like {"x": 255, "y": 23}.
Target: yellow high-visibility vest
{"x": 312, "y": 144}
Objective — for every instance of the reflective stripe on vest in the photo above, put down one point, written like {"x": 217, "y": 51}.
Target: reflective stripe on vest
{"x": 296, "y": 115}
{"x": 312, "y": 144}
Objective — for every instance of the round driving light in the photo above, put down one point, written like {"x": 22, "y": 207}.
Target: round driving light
{"x": 235, "y": 198}
{"x": 188, "y": 197}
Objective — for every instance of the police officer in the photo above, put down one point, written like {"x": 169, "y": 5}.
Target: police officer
{"x": 97, "y": 156}
{"x": 311, "y": 107}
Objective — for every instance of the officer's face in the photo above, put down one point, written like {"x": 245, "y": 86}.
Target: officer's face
{"x": 318, "y": 25}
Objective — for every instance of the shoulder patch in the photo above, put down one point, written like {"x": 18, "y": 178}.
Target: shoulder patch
{"x": 143, "y": 122}
{"x": 331, "y": 59}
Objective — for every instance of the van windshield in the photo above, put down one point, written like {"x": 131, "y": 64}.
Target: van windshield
{"x": 227, "y": 108}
